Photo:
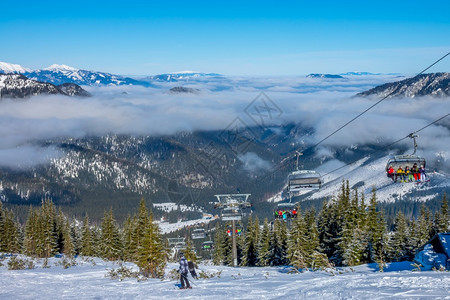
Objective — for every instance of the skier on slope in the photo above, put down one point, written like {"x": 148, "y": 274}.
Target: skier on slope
{"x": 184, "y": 269}
{"x": 191, "y": 266}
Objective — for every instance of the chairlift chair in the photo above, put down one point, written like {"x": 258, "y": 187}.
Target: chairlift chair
{"x": 231, "y": 213}
{"x": 303, "y": 180}
{"x": 198, "y": 233}
{"x": 208, "y": 245}
{"x": 300, "y": 180}
{"x": 406, "y": 160}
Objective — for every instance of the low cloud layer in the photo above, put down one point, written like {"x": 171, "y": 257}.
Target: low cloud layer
{"x": 320, "y": 104}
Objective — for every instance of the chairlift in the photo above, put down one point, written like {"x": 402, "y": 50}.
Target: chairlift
{"x": 300, "y": 180}
{"x": 198, "y": 233}
{"x": 238, "y": 230}
{"x": 208, "y": 245}
{"x": 406, "y": 160}
{"x": 231, "y": 213}
{"x": 285, "y": 211}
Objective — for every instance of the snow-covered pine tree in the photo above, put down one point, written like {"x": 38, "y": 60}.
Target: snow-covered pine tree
{"x": 353, "y": 241}
{"x": 264, "y": 245}
{"x": 278, "y": 244}
{"x": 111, "y": 243}
{"x": 324, "y": 223}
{"x": 378, "y": 239}
{"x": 442, "y": 218}
{"x": 424, "y": 227}
{"x": 298, "y": 243}
{"x": 30, "y": 239}
{"x": 250, "y": 247}
{"x": 400, "y": 240}
{"x": 10, "y": 240}
{"x": 47, "y": 241}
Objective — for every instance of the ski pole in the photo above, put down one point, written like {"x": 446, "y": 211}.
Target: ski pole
{"x": 190, "y": 282}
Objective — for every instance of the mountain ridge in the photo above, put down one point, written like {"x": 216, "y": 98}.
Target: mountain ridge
{"x": 431, "y": 84}
{"x": 20, "y": 86}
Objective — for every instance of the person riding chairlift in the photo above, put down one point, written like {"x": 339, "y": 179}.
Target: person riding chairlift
{"x": 391, "y": 172}
{"x": 415, "y": 172}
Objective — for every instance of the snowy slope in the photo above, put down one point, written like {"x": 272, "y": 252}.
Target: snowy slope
{"x": 88, "y": 280}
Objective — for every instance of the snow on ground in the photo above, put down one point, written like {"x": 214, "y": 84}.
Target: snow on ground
{"x": 167, "y": 227}
{"x": 88, "y": 281}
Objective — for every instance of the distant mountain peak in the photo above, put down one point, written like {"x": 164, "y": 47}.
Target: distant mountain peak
{"x": 329, "y": 76}
{"x": 56, "y": 67}
{"x": 8, "y": 68}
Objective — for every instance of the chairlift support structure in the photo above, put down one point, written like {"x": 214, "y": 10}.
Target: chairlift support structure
{"x": 232, "y": 206}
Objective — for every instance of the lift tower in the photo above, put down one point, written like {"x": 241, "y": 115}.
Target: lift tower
{"x": 232, "y": 206}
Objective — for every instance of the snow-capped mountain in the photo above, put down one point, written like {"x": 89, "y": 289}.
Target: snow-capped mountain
{"x": 326, "y": 76}
{"x": 19, "y": 86}
{"x": 180, "y": 76}
{"x": 59, "y": 74}
{"x": 359, "y": 74}
{"x": 434, "y": 84}
{"x": 7, "y": 68}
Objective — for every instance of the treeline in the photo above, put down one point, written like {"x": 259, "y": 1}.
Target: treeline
{"x": 48, "y": 231}
{"x": 345, "y": 232}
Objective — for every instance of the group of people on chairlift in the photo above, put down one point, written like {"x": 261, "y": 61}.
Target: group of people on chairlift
{"x": 285, "y": 213}
{"x": 407, "y": 174}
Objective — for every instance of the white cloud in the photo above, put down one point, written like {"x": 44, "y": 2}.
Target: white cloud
{"x": 323, "y": 105}
{"x": 252, "y": 162}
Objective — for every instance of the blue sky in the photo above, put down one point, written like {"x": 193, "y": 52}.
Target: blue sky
{"x": 229, "y": 37}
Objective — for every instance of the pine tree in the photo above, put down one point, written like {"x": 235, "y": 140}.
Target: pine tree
{"x": 297, "y": 243}
{"x": 10, "y": 240}
{"x": 151, "y": 254}
{"x": 129, "y": 238}
{"x": 86, "y": 243}
{"x": 442, "y": 219}
{"x": 30, "y": 239}
{"x": 111, "y": 247}
{"x": 377, "y": 246}
{"x": 250, "y": 247}
{"x": 400, "y": 242}
{"x": 47, "y": 243}
{"x": 424, "y": 227}
{"x": 264, "y": 245}
{"x": 219, "y": 243}
{"x": 278, "y": 244}
{"x": 189, "y": 253}
{"x": 68, "y": 247}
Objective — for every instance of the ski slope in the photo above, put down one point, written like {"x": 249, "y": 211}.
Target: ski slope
{"x": 87, "y": 280}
